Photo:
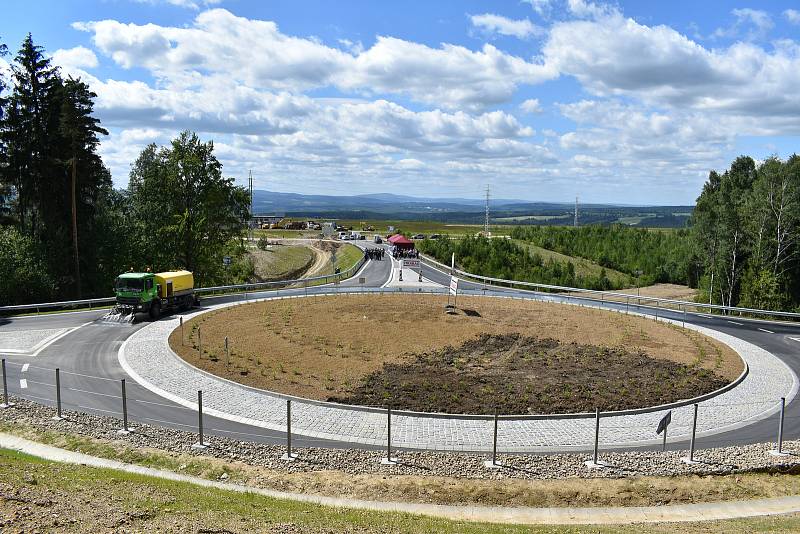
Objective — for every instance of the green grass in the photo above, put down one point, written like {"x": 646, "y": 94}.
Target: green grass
{"x": 583, "y": 267}
{"x": 346, "y": 256}
{"x": 89, "y": 499}
{"x": 282, "y": 262}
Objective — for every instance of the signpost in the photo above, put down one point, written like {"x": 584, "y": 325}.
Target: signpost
{"x": 662, "y": 427}
{"x": 453, "y": 286}
{"x": 414, "y": 265}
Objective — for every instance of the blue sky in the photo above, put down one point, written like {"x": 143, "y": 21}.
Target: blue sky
{"x": 630, "y": 102}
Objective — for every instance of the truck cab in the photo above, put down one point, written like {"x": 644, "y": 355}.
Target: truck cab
{"x": 150, "y": 293}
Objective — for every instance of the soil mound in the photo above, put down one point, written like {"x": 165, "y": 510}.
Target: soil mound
{"x": 528, "y": 375}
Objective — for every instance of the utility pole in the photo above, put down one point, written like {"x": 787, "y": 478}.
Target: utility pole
{"x": 250, "y": 222}
{"x": 486, "y": 221}
{"x": 576, "y": 211}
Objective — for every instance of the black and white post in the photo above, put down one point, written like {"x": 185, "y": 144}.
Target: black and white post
{"x": 689, "y": 460}
{"x": 125, "y": 428}
{"x": 595, "y": 462}
{"x": 779, "y": 451}
{"x": 6, "y": 402}
{"x": 289, "y": 456}
{"x": 388, "y": 460}
{"x": 493, "y": 463}
{"x": 58, "y": 416}
{"x": 201, "y": 443}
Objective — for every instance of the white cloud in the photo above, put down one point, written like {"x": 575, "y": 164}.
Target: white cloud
{"x": 792, "y": 15}
{"x": 531, "y": 105}
{"x": 190, "y": 4}
{"x": 74, "y": 61}
{"x": 618, "y": 56}
{"x": 584, "y": 9}
{"x": 410, "y": 164}
{"x": 256, "y": 53}
{"x": 521, "y": 29}
{"x": 750, "y": 24}
{"x": 542, "y": 7}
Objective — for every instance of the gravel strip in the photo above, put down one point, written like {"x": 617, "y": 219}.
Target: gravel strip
{"x": 725, "y": 460}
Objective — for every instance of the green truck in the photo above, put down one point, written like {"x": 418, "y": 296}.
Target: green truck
{"x": 151, "y": 293}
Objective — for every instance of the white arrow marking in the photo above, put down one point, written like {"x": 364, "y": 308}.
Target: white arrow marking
{"x": 795, "y": 339}
{"x": 23, "y": 384}
{"x": 25, "y": 367}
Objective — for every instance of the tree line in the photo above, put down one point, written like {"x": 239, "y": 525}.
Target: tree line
{"x": 654, "y": 256}
{"x": 745, "y": 229}
{"x": 502, "y": 258}
{"x": 65, "y": 231}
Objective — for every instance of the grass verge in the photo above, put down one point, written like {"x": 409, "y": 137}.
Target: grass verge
{"x": 40, "y": 495}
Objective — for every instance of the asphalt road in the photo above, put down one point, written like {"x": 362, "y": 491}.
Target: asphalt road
{"x": 91, "y": 375}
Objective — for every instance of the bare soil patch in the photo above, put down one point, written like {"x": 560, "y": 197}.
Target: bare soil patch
{"x": 329, "y": 347}
{"x": 518, "y": 374}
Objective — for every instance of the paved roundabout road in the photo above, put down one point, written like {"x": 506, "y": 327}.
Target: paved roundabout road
{"x": 87, "y": 352}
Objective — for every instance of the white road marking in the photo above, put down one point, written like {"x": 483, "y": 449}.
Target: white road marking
{"x": 795, "y": 339}
{"x": 25, "y": 367}
{"x": 52, "y": 340}
{"x": 767, "y": 331}
{"x": 706, "y": 316}
{"x": 734, "y": 322}
{"x": 23, "y": 384}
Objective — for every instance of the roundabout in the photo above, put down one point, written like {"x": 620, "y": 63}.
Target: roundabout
{"x": 516, "y": 356}
{"x": 147, "y": 357}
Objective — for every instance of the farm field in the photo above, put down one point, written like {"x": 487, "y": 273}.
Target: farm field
{"x": 533, "y": 357}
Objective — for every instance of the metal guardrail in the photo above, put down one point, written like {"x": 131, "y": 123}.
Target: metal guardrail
{"x": 606, "y": 294}
{"x": 242, "y": 288}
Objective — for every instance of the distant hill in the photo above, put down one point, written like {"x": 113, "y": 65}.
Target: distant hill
{"x": 461, "y": 210}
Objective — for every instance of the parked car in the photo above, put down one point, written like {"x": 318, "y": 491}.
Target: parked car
{"x": 434, "y": 236}
{"x": 377, "y": 239}
{"x": 418, "y": 236}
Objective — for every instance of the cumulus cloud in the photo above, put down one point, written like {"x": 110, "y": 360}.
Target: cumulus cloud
{"x": 74, "y": 61}
{"x": 542, "y": 7}
{"x": 792, "y": 15}
{"x": 661, "y": 104}
{"x": 750, "y": 24}
{"x": 531, "y": 105}
{"x": 257, "y": 53}
{"x": 584, "y": 9}
{"x": 619, "y": 56}
{"x": 190, "y": 4}
{"x": 497, "y": 24}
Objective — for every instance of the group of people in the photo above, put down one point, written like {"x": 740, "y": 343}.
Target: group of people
{"x": 374, "y": 253}
{"x": 405, "y": 252}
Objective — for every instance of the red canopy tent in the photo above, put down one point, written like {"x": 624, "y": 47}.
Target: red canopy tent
{"x": 401, "y": 242}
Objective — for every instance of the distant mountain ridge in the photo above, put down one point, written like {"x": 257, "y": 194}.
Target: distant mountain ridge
{"x": 459, "y": 210}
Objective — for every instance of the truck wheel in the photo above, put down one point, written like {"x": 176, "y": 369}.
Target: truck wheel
{"x": 155, "y": 310}
{"x": 186, "y": 303}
